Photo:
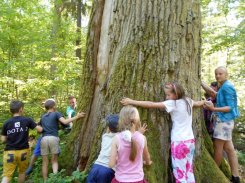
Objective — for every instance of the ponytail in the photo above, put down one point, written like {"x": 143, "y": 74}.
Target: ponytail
{"x": 188, "y": 105}
{"x": 128, "y": 118}
{"x": 133, "y": 152}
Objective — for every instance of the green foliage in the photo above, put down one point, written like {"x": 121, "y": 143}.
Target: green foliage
{"x": 241, "y": 158}
{"x": 223, "y": 44}
{"x": 79, "y": 176}
{"x": 61, "y": 177}
{"x": 35, "y": 62}
{"x": 37, "y": 171}
{"x": 207, "y": 171}
{"x": 223, "y": 39}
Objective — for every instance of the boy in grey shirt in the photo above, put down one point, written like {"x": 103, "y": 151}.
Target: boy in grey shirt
{"x": 50, "y": 140}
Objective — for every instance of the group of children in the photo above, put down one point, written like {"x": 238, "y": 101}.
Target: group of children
{"x": 123, "y": 153}
{"x": 124, "y": 147}
{"x": 15, "y": 135}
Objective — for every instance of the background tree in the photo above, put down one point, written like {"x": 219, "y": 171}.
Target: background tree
{"x": 34, "y": 39}
{"x": 133, "y": 48}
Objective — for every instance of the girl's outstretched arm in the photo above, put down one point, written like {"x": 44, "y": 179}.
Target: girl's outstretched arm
{"x": 113, "y": 158}
{"x": 198, "y": 103}
{"x": 144, "y": 104}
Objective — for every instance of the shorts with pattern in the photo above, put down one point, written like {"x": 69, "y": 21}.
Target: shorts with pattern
{"x": 13, "y": 159}
{"x": 182, "y": 155}
{"x": 223, "y": 130}
{"x": 50, "y": 145}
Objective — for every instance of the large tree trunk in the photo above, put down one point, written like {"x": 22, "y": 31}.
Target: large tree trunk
{"x": 133, "y": 48}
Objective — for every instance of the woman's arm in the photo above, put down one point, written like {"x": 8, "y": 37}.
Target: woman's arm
{"x": 144, "y": 104}
{"x": 210, "y": 91}
{"x": 210, "y": 106}
{"x": 113, "y": 157}
{"x": 230, "y": 97}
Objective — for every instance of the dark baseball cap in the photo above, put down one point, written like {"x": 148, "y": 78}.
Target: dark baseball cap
{"x": 112, "y": 122}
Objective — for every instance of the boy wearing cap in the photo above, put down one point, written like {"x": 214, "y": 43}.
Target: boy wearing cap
{"x": 50, "y": 140}
{"x": 100, "y": 171}
{"x": 15, "y": 135}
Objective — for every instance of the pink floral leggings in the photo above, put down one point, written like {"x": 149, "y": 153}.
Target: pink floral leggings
{"x": 182, "y": 153}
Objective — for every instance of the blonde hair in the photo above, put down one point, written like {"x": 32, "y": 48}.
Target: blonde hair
{"x": 223, "y": 68}
{"x": 128, "y": 117}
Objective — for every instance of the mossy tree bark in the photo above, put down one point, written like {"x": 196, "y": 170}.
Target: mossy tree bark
{"x": 133, "y": 48}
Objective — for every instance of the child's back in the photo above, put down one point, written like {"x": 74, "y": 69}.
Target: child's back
{"x": 124, "y": 164}
{"x": 16, "y": 129}
{"x": 105, "y": 152}
{"x": 129, "y": 148}
{"x": 50, "y": 140}
{"x": 101, "y": 172}
{"x": 15, "y": 134}
{"x": 50, "y": 123}
{"x": 182, "y": 119}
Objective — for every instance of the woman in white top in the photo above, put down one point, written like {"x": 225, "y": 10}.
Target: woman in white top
{"x": 182, "y": 138}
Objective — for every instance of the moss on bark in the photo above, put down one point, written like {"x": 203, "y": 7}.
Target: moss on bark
{"x": 206, "y": 171}
{"x": 144, "y": 54}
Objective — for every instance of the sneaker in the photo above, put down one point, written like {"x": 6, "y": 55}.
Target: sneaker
{"x": 29, "y": 171}
{"x": 235, "y": 179}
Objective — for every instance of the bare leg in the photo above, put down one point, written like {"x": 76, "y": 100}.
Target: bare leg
{"x": 33, "y": 160}
{"x": 5, "y": 180}
{"x": 54, "y": 161}
{"x": 218, "y": 150}
{"x": 45, "y": 167}
{"x": 21, "y": 178}
{"x": 31, "y": 165}
{"x": 232, "y": 157}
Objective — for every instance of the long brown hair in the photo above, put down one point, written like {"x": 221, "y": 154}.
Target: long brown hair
{"x": 128, "y": 116}
{"x": 179, "y": 91}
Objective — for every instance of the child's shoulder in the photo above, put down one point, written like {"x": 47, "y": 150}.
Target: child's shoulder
{"x": 109, "y": 134}
{"x": 18, "y": 119}
{"x": 52, "y": 113}
{"x": 139, "y": 134}
{"x": 25, "y": 117}
{"x": 8, "y": 121}
{"x": 58, "y": 113}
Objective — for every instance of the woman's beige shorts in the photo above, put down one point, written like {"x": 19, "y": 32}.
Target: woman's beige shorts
{"x": 223, "y": 130}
